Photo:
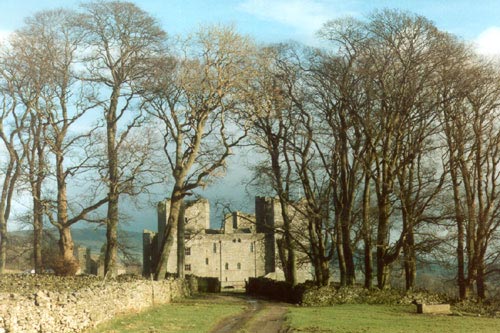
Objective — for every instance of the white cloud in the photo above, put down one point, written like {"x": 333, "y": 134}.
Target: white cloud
{"x": 307, "y": 16}
{"x": 488, "y": 42}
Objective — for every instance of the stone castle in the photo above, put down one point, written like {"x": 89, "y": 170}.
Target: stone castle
{"x": 245, "y": 246}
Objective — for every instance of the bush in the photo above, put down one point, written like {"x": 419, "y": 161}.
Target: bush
{"x": 330, "y": 295}
{"x": 65, "y": 267}
{"x": 208, "y": 285}
{"x": 308, "y": 294}
{"x": 276, "y": 290}
{"x": 489, "y": 307}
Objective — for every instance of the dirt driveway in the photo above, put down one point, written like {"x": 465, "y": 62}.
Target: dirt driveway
{"x": 259, "y": 317}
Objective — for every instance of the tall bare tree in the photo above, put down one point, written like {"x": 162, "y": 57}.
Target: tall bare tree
{"x": 11, "y": 125}
{"x": 469, "y": 94}
{"x": 29, "y": 77}
{"x": 120, "y": 42}
{"x": 269, "y": 133}
{"x": 196, "y": 98}
{"x": 55, "y": 32}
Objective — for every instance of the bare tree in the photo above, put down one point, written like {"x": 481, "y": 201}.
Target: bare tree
{"x": 340, "y": 99}
{"x": 120, "y": 42}
{"x": 269, "y": 133}
{"x": 469, "y": 105}
{"x": 11, "y": 125}
{"x": 27, "y": 67}
{"x": 63, "y": 109}
{"x": 196, "y": 98}
{"x": 286, "y": 126}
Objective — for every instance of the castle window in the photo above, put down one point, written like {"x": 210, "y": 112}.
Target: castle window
{"x": 187, "y": 267}
{"x": 227, "y": 265}
{"x": 206, "y": 261}
{"x": 239, "y": 240}
{"x": 251, "y": 247}
{"x": 215, "y": 247}
{"x": 187, "y": 251}
{"x": 239, "y": 266}
{"x": 234, "y": 240}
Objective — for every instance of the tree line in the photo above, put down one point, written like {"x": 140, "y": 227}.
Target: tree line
{"x": 384, "y": 139}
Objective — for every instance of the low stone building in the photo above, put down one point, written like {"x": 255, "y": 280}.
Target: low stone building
{"x": 245, "y": 246}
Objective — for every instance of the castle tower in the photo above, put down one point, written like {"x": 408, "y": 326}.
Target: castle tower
{"x": 265, "y": 223}
{"x": 148, "y": 253}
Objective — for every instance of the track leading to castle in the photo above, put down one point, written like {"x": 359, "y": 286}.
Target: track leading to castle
{"x": 260, "y": 317}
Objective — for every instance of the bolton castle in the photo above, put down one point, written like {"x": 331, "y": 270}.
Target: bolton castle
{"x": 245, "y": 246}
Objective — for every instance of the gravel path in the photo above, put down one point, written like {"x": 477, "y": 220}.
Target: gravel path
{"x": 259, "y": 317}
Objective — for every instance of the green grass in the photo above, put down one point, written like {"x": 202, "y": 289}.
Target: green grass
{"x": 194, "y": 315}
{"x": 383, "y": 319}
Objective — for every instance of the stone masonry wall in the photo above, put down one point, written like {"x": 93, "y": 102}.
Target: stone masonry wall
{"x": 61, "y": 312}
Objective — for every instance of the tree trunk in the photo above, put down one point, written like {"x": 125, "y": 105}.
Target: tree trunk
{"x": 3, "y": 244}
{"x": 340, "y": 255}
{"x": 111, "y": 255}
{"x": 382, "y": 239}
{"x": 291, "y": 260}
{"x": 171, "y": 233}
{"x": 410, "y": 264}
{"x": 66, "y": 245}
{"x": 37, "y": 231}
{"x": 480, "y": 279}
{"x": 7, "y": 191}
{"x": 181, "y": 248}
{"x": 325, "y": 272}
{"x": 461, "y": 278}
{"x": 348, "y": 255}
{"x": 383, "y": 274}
{"x": 280, "y": 244}
{"x": 367, "y": 235}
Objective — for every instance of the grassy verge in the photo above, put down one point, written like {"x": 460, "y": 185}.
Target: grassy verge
{"x": 382, "y": 319}
{"x": 195, "y": 315}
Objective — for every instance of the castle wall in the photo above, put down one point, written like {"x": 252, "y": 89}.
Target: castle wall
{"x": 232, "y": 258}
{"x": 197, "y": 215}
{"x": 245, "y": 247}
{"x": 239, "y": 220}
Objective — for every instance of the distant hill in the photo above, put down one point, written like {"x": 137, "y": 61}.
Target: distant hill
{"x": 95, "y": 238}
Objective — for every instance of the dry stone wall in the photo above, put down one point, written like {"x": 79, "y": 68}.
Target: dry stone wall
{"x": 61, "y": 312}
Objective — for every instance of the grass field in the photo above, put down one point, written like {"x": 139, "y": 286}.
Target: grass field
{"x": 201, "y": 314}
{"x": 189, "y": 316}
{"x": 383, "y": 319}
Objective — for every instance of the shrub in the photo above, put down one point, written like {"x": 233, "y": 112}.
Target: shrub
{"x": 65, "y": 267}
{"x": 489, "y": 307}
{"x": 308, "y": 294}
{"x": 330, "y": 295}
{"x": 277, "y": 290}
{"x": 208, "y": 285}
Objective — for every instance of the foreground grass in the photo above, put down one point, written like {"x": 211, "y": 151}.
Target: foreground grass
{"x": 382, "y": 319}
{"x": 193, "y": 315}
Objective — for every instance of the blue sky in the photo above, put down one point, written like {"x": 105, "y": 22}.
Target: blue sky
{"x": 274, "y": 21}
{"x": 281, "y": 20}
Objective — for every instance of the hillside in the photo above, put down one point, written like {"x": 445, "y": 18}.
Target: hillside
{"x": 20, "y": 248}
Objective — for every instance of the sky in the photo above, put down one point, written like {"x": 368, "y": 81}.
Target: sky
{"x": 270, "y": 21}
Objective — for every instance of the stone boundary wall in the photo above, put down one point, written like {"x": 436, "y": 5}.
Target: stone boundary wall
{"x": 61, "y": 312}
